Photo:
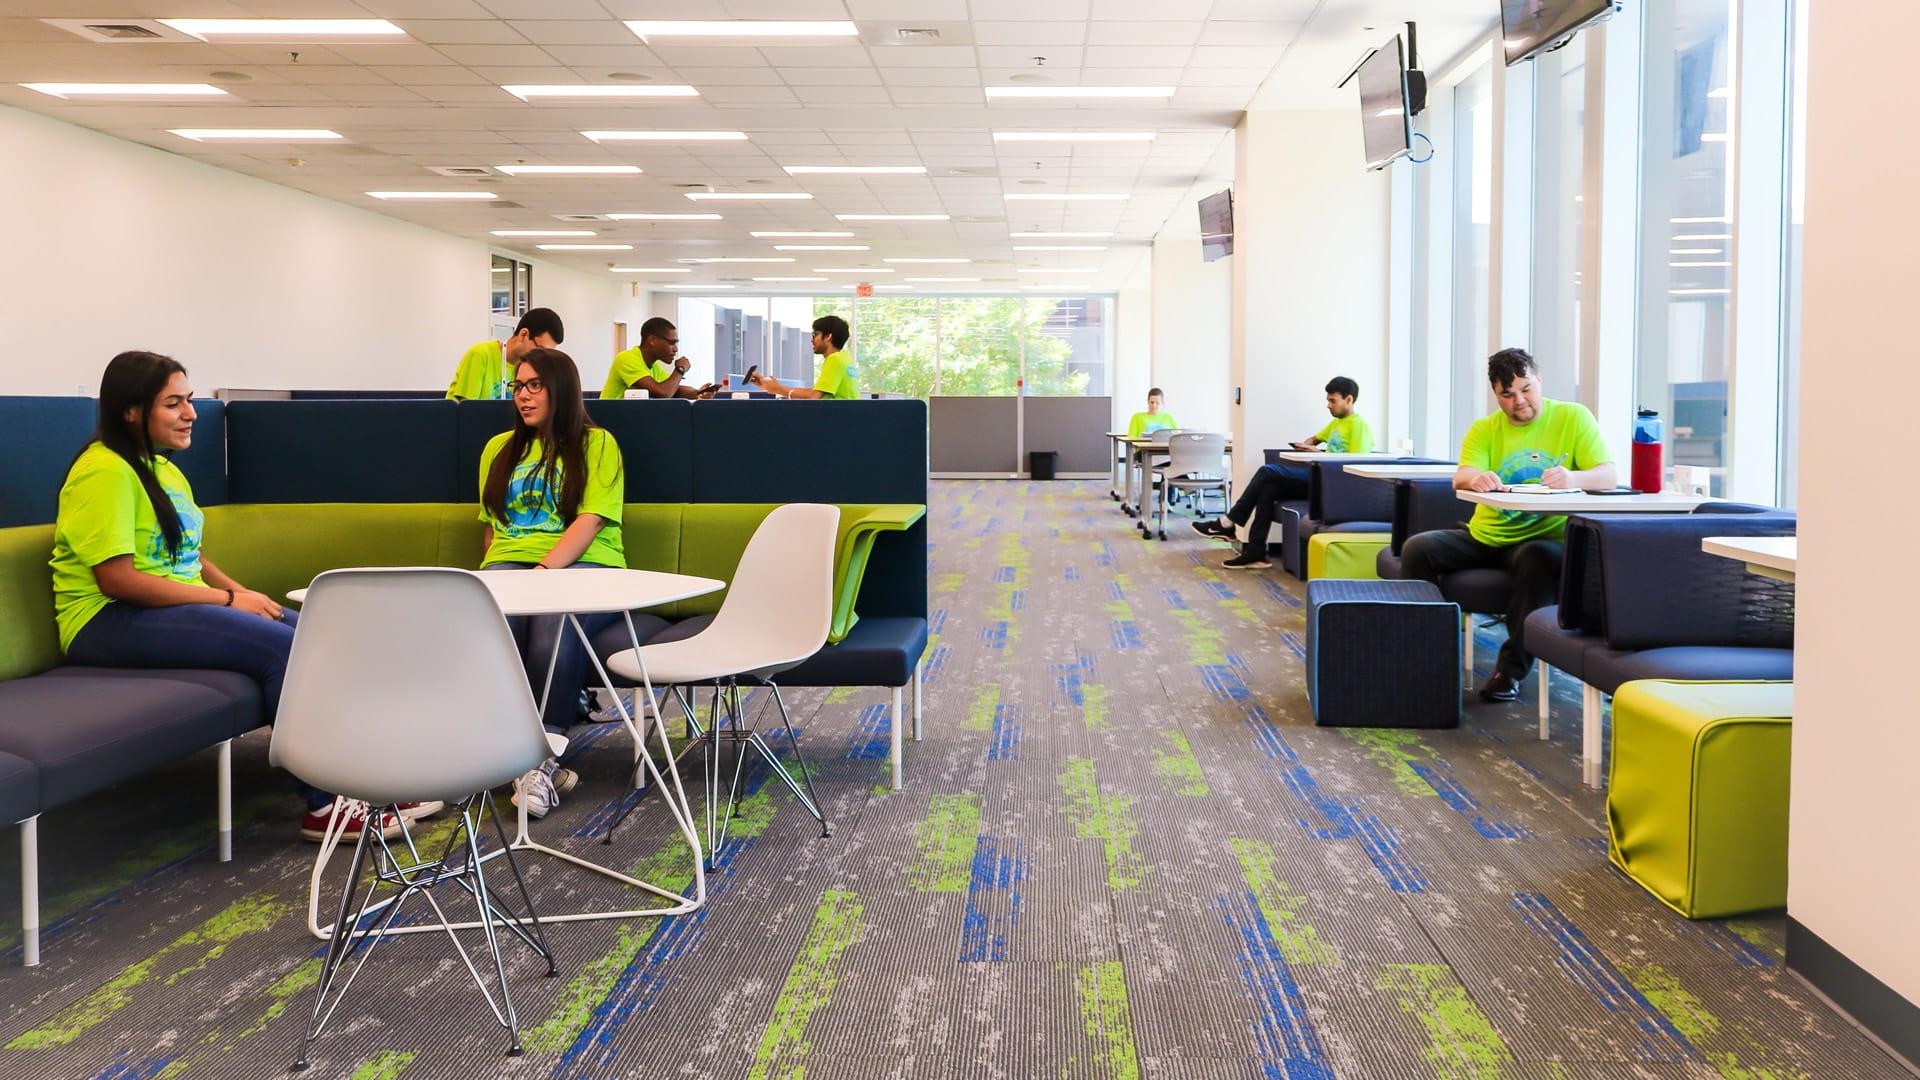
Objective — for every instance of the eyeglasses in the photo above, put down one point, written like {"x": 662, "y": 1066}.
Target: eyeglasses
{"x": 531, "y": 386}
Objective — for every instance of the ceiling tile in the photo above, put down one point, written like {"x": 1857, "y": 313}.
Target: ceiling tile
{"x": 784, "y": 9}
{"x": 1029, "y": 33}
{"x": 386, "y": 93}
{"x": 380, "y": 55}
{"x": 828, "y": 76}
{"x": 665, "y": 9}
{"x": 1207, "y": 75}
{"x": 425, "y": 9}
{"x": 1228, "y": 56}
{"x": 842, "y": 95}
{"x": 462, "y": 32}
{"x": 930, "y": 76}
{"x": 622, "y": 57}
{"x": 1250, "y": 33}
{"x": 947, "y": 56}
{"x": 446, "y": 75}
{"x": 1143, "y": 33}
{"x": 545, "y": 9}
{"x": 895, "y": 10}
{"x": 497, "y": 55}
{"x": 1132, "y": 56}
{"x": 747, "y": 95}
{"x": 575, "y": 32}
{"x": 729, "y": 76}
{"x": 1057, "y": 56}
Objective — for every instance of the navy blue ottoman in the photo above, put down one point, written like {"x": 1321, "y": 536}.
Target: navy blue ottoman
{"x": 1382, "y": 654}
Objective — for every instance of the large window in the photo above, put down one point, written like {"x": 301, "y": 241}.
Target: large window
{"x": 1688, "y": 216}
{"x": 1789, "y": 464}
{"x": 1559, "y": 217}
{"x": 1472, "y": 239}
{"x": 919, "y": 346}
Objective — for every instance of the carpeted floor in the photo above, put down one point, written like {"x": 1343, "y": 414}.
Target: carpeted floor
{"x": 1122, "y": 851}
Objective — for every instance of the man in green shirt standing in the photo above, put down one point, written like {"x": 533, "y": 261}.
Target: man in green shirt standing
{"x": 1531, "y": 440}
{"x": 655, "y": 365}
{"x": 838, "y": 377}
{"x": 1346, "y": 433}
{"x": 488, "y": 367}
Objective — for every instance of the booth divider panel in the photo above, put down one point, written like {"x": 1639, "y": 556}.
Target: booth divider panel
{"x": 342, "y": 451}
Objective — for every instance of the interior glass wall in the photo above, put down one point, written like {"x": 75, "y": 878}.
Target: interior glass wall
{"x": 1687, "y": 212}
{"x": 1559, "y": 219}
{"x": 1472, "y": 237}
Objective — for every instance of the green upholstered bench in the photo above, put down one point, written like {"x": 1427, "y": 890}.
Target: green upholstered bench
{"x": 1345, "y": 554}
{"x": 1697, "y": 793}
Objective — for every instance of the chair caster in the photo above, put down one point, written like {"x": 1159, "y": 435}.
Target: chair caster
{"x": 516, "y": 1050}
{"x": 299, "y": 1065}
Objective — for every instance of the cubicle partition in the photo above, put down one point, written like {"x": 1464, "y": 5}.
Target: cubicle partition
{"x": 992, "y": 436}
{"x": 40, "y": 436}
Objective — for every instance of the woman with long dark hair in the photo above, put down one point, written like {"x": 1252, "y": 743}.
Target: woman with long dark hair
{"x": 131, "y": 587}
{"x": 552, "y": 489}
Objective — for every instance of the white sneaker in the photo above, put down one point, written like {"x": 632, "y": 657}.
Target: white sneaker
{"x": 609, "y": 713}
{"x": 539, "y": 790}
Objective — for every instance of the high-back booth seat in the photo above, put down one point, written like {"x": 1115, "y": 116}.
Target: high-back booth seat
{"x": 292, "y": 488}
{"x": 1420, "y": 505}
{"x": 1336, "y": 502}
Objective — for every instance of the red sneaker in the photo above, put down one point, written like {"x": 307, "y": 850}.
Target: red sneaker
{"x": 414, "y": 811}
{"x": 314, "y": 825}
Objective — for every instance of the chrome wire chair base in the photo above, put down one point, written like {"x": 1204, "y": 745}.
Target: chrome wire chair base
{"x": 400, "y": 864}
{"x": 741, "y": 732}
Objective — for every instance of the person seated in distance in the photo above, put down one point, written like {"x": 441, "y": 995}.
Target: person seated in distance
{"x": 1531, "y": 439}
{"x": 838, "y": 377}
{"x": 655, "y": 365}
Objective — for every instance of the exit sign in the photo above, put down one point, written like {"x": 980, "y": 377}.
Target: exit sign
{"x": 864, "y": 289}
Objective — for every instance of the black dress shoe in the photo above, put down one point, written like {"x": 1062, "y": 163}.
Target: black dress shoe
{"x": 1501, "y": 687}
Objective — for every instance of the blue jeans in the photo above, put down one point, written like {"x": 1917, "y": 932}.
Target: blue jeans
{"x": 127, "y": 635}
{"x": 536, "y": 635}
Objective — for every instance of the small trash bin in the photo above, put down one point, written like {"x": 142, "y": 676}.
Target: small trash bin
{"x": 1040, "y": 464}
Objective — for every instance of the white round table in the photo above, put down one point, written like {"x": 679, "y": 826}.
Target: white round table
{"x": 594, "y": 591}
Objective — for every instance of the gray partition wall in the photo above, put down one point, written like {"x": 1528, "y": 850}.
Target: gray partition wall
{"x": 1073, "y": 427}
{"x": 990, "y": 436}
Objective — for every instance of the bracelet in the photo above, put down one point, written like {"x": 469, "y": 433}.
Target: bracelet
{"x": 229, "y": 602}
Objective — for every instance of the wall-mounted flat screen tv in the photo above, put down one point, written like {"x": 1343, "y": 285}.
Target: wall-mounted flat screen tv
{"x": 1216, "y": 225}
{"x": 1531, "y": 27}
{"x": 1384, "y": 124}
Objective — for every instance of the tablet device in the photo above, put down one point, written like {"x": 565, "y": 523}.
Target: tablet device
{"x": 747, "y": 379}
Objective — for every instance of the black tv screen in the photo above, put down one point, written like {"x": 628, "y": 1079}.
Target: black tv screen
{"x": 1384, "y": 124}
{"x": 1216, "y": 225}
{"x": 1528, "y": 27}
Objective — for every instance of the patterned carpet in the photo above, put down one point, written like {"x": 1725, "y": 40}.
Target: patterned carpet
{"x": 1122, "y": 851}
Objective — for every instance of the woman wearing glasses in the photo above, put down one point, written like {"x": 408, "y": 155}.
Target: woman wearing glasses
{"x": 551, "y": 494}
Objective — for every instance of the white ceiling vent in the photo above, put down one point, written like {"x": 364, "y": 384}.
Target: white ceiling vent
{"x": 583, "y": 217}
{"x": 121, "y": 31}
{"x": 460, "y": 170}
{"x": 894, "y": 33}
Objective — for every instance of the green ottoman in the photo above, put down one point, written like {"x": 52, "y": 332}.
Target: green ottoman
{"x": 1344, "y": 554}
{"x": 1697, "y": 793}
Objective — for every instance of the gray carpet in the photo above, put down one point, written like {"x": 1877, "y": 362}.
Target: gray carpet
{"x": 1122, "y": 851}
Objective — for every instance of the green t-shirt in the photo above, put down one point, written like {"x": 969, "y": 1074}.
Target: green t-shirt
{"x": 1564, "y": 434}
{"x": 483, "y": 374}
{"x": 838, "y": 377}
{"x": 534, "y": 523}
{"x": 628, "y": 366}
{"x": 1347, "y": 435}
{"x": 1145, "y": 423}
{"x": 104, "y": 514}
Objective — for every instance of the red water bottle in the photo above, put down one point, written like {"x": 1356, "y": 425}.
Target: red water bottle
{"x": 1648, "y": 472}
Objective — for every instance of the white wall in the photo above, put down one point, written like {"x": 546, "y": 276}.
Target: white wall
{"x": 112, "y": 246}
{"x": 1309, "y": 277}
{"x": 1133, "y": 343}
{"x": 1854, "y": 860}
{"x": 1192, "y": 317}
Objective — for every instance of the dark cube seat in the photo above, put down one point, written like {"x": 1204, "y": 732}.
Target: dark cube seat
{"x": 1382, "y": 654}
{"x": 1558, "y": 647}
{"x": 86, "y": 729}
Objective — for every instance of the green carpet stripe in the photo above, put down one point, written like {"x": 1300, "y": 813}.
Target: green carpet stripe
{"x": 946, "y": 839}
{"x": 1108, "y": 1018}
{"x": 1299, "y": 942}
{"x": 1722, "y": 1048}
{"x": 1106, "y": 818}
{"x": 385, "y": 1065}
{"x": 784, "y": 1047}
{"x": 1173, "y": 762}
{"x": 1461, "y": 1042}
{"x": 1396, "y": 750}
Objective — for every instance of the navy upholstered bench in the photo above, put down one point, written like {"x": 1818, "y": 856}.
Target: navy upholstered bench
{"x": 1382, "y": 654}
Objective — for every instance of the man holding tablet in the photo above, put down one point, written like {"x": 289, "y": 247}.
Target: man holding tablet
{"x": 1531, "y": 440}
{"x": 838, "y": 377}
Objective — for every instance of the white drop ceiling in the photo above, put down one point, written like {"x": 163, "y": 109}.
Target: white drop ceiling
{"x": 433, "y": 99}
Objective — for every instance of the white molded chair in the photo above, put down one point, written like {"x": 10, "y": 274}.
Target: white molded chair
{"x": 777, "y": 612}
{"x": 404, "y": 686}
{"x": 1196, "y": 464}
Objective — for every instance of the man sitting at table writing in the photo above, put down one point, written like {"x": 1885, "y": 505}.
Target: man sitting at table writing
{"x": 1531, "y": 440}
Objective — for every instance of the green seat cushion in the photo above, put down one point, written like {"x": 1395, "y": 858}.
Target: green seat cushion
{"x": 1697, "y": 793}
{"x": 29, "y": 642}
{"x": 1345, "y": 554}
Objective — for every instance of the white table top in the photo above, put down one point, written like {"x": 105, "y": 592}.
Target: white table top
{"x": 1304, "y": 456}
{"x": 1401, "y": 472}
{"x": 1773, "y": 552}
{"x": 1665, "y": 502}
{"x": 586, "y": 591}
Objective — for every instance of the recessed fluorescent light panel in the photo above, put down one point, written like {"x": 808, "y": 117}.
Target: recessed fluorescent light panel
{"x": 882, "y": 288}
{"x": 337, "y": 31}
{"x": 944, "y": 280}
{"x": 702, "y": 288}
{"x": 568, "y": 170}
{"x": 584, "y": 247}
{"x": 599, "y": 90}
{"x": 1054, "y": 270}
{"x": 822, "y": 247}
{"x": 1059, "y": 247}
{"x": 741, "y": 31}
{"x": 475, "y": 196}
{"x": 850, "y": 270}
{"x": 1070, "y": 196}
{"x": 1060, "y": 287}
{"x": 942, "y": 260}
{"x": 140, "y": 90}
{"x": 641, "y": 216}
{"x": 857, "y": 170}
{"x": 1074, "y": 136}
{"x": 746, "y": 196}
{"x": 741, "y": 259}
{"x": 893, "y": 217}
{"x": 262, "y": 134}
{"x": 1079, "y": 91}
{"x": 528, "y": 234}
{"x": 789, "y": 279}
{"x": 1061, "y": 235}
{"x": 665, "y": 136}
{"x": 801, "y": 234}
{"x": 650, "y": 270}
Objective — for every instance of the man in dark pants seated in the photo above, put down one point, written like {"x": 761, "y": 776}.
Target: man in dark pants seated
{"x": 1346, "y": 433}
{"x": 1529, "y": 441}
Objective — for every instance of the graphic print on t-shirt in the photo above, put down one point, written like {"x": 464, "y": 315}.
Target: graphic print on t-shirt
{"x": 1525, "y": 467}
{"x": 530, "y": 505}
{"x": 185, "y": 562}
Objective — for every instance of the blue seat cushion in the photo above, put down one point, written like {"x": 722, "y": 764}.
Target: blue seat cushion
{"x": 1556, "y": 646}
{"x": 614, "y": 639}
{"x": 1608, "y": 670}
{"x": 19, "y": 789}
{"x": 1482, "y": 592}
{"x": 1355, "y": 526}
{"x": 880, "y": 650}
{"x": 232, "y": 685}
{"x": 86, "y": 731}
